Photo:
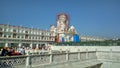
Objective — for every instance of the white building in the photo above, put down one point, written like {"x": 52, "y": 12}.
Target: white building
{"x": 92, "y": 38}
{"x": 23, "y": 36}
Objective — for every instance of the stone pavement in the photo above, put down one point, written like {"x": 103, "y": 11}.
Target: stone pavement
{"x": 77, "y": 64}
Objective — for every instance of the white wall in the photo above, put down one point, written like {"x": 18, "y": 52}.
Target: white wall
{"x": 83, "y": 48}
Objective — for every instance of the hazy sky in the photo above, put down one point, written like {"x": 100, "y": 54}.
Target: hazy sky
{"x": 90, "y": 17}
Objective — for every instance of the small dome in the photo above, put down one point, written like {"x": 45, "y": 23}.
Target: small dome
{"x": 72, "y": 27}
{"x": 52, "y": 26}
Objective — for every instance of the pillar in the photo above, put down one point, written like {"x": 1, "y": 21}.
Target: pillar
{"x": 31, "y": 45}
{"x": 37, "y": 45}
{"x": 67, "y": 55}
{"x": 19, "y": 44}
{"x": 111, "y": 54}
{"x": 78, "y": 54}
{"x": 6, "y": 44}
{"x": 3, "y": 35}
{"x": 28, "y": 60}
{"x": 51, "y": 56}
{"x": 86, "y": 53}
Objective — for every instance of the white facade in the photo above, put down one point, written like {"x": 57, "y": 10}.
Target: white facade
{"x": 17, "y": 34}
{"x": 91, "y": 38}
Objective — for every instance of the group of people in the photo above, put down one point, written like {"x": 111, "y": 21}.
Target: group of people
{"x": 12, "y": 51}
{"x": 15, "y": 51}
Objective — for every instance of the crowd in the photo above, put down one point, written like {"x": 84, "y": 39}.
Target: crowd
{"x": 12, "y": 51}
{"x": 15, "y": 51}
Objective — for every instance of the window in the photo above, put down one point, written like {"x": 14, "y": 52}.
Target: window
{"x": 4, "y": 29}
{"x": 50, "y": 34}
{"x": 22, "y": 37}
{"x": 26, "y": 31}
{"x": 9, "y": 36}
{"x": 46, "y": 38}
{"x": 1, "y": 34}
{"x": 14, "y": 35}
{"x": 4, "y": 35}
{"x": 42, "y": 33}
{"x": 0, "y": 29}
{"x": 18, "y": 37}
{"x": 29, "y": 37}
{"x": 26, "y": 36}
{"x": 14, "y": 30}
{"x": 42, "y": 37}
{"x": 39, "y": 38}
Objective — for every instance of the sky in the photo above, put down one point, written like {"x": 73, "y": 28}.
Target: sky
{"x": 90, "y": 17}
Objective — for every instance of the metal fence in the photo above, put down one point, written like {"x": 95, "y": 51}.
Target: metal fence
{"x": 88, "y": 43}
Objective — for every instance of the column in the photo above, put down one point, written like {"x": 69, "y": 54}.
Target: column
{"x": 51, "y": 56}
{"x": 31, "y": 45}
{"x": 3, "y": 35}
{"x": 78, "y": 54}
{"x": 46, "y": 44}
{"x": 86, "y": 53}
{"x": 67, "y": 55}
{"x": 28, "y": 60}
{"x": 111, "y": 54}
{"x": 19, "y": 44}
{"x": 6, "y": 44}
{"x": 37, "y": 45}
{"x": 7, "y": 36}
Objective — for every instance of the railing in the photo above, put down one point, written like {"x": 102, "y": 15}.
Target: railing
{"x": 109, "y": 56}
{"x": 110, "y": 59}
{"x": 90, "y": 43}
{"x": 13, "y": 62}
{"x": 29, "y": 61}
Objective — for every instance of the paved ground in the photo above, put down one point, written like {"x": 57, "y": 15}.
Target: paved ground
{"x": 80, "y": 64}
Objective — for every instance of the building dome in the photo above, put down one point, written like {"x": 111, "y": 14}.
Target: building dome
{"x": 72, "y": 27}
{"x": 52, "y": 28}
{"x": 72, "y": 30}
